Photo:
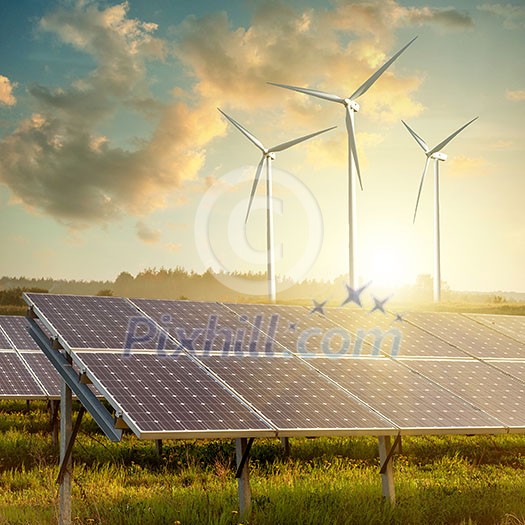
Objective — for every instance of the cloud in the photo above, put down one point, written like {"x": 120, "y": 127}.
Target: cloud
{"x": 379, "y": 17}
{"x": 461, "y": 165}
{"x": 56, "y": 163}
{"x": 513, "y": 16}
{"x": 6, "y": 92}
{"x": 447, "y": 17}
{"x": 146, "y": 233}
{"x": 231, "y": 65}
{"x": 173, "y": 246}
{"x": 515, "y": 96}
{"x": 503, "y": 145}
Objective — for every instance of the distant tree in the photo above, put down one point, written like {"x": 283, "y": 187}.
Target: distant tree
{"x": 105, "y": 293}
{"x": 13, "y": 296}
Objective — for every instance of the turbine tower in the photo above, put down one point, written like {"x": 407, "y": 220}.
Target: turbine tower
{"x": 435, "y": 154}
{"x": 351, "y": 107}
{"x": 268, "y": 155}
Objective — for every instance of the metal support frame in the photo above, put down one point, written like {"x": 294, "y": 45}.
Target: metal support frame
{"x": 87, "y": 398}
{"x": 245, "y": 454}
{"x": 66, "y": 416}
{"x": 242, "y": 452}
{"x": 54, "y": 421}
{"x": 66, "y": 456}
{"x": 158, "y": 447}
{"x": 386, "y": 452}
{"x": 285, "y": 444}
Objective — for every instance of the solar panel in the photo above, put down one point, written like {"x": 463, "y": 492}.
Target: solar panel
{"x": 44, "y": 371}
{"x": 16, "y": 381}
{"x": 481, "y": 384}
{"x": 4, "y": 342}
{"x": 17, "y": 329}
{"x": 468, "y": 335}
{"x": 14, "y": 330}
{"x": 409, "y": 400}
{"x": 295, "y": 397}
{"x": 95, "y": 322}
{"x": 298, "y": 330}
{"x": 255, "y": 388}
{"x": 166, "y": 397}
{"x": 382, "y": 334}
{"x": 514, "y": 368}
{"x": 205, "y": 327}
{"x": 511, "y": 325}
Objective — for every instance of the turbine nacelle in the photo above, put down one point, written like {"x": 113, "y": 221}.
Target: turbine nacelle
{"x": 270, "y": 155}
{"x": 352, "y": 104}
{"x": 439, "y": 156}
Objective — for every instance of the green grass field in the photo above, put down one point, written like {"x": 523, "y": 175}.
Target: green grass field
{"x": 445, "y": 480}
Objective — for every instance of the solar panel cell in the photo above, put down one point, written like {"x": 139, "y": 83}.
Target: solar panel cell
{"x": 410, "y": 400}
{"x": 510, "y": 325}
{"x": 293, "y": 395}
{"x": 480, "y": 383}
{"x": 205, "y": 328}
{"x": 468, "y": 335}
{"x": 16, "y": 380}
{"x": 380, "y": 334}
{"x": 165, "y": 395}
{"x": 4, "y": 343}
{"x": 97, "y": 322}
{"x": 45, "y": 371}
{"x": 295, "y": 329}
{"x": 17, "y": 330}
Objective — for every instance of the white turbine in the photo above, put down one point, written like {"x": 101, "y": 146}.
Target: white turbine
{"x": 351, "y": 106}
{"x": 435, "y": 154}
{"x": 268, "y": 154}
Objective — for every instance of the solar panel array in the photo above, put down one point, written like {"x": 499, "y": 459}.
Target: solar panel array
{"x": 25, "y": 372}
{"x": 195, "y": 369}
{"x": 510, "y": 325}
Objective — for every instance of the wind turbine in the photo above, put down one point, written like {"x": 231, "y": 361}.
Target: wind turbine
{"x": 435, "y": 154}
{"x": 268, "y": 155}
{"x": 351, "y": 107}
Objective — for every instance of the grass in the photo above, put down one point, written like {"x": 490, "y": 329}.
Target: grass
{"x": 439, "y": 480}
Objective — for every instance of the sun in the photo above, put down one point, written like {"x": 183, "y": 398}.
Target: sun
{"x": 388, "y": 266}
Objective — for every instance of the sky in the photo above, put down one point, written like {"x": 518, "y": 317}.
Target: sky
{"x": 113, "y": 156}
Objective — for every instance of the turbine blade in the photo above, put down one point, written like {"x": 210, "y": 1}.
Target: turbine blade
{"x": 289, "y": 144}
{"x": 427, "y": 160}
{"x": 441, "y": 145}
{"x": 312, "y": 92}
{"x": 254, "y": 186}
{"x": 351, "y": 143}
{"x": 244, "y": 131}
{"x": 417, "y": 138}
{"x": 366, "y": 86}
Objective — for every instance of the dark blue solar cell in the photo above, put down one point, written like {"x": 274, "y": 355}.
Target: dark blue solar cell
{"x": 45, "y": 372}
{"x": 97, "y": 322}
{"x": 17, "y": 329}
{"x": 407, "y": 398}
{"x": 16, "y": 380}
{"x": 481, "y": 384}
{"x": 170, "y": 395}
{"x": 205, "y": 328}
{"x": 293, "y": 395}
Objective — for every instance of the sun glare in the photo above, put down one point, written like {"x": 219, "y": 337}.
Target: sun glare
{"x": 389, "y": 267}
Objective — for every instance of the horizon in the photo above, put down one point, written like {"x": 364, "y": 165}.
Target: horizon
{"x": 114, "y": 158}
